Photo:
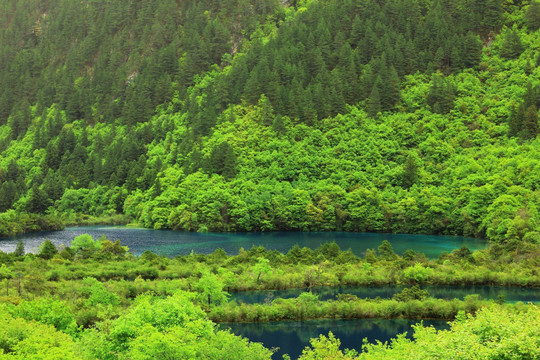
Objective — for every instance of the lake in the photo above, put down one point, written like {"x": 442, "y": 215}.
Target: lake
{"x": 510, "y": 294}
{"x": 172, "y": 243}
{"x": 293, "y": 336}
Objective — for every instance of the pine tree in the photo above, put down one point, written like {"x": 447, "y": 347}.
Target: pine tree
{"x": 374, "y": 102}
{"x": 410, "y": 171}
{"x": 47, "y": 250}
{"x": 278, "y": 125}
{"x": 441, "y": 94}
{"x": 8, "y": 195}
{"x": 223, "y": 160}
{"x": 533, "y": 16}
{"x": 511, "y": 46}
{"x": 38, "y": 201}
{"x": 492, "y": 15}
{"x": 530, "y": 123}
{"x": 19, "y": 119}
{"x": 390, "y": 93}
{"x": 252, "y": 89}
{"x": 357, "y": 32}
{"x": 515, "y": 122}
{"x": 471, "y": 50}
{"x": 19, "y": 249}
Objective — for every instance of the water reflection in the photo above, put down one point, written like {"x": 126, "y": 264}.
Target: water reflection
{"x": 293, "y": 336}
{"x": 510, "y": 294}
{"x": 172, "y": 243}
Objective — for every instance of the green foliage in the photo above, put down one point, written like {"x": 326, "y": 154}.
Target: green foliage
{"x": 6, "y": 274}
{"x": 262, "y": 268}
{"x": 210, "y": 288}
{"x": 22, "y": 339}
{"x": 83, "y": 242}
{"x": 386, "y": 251}
{"x": 412, "y": 303}
{"x": 441, "y": 94}
{"x": 470, "y": 337}
{"x": 47, "y": 250}
{"x": 46, "y": 311}
{"x": 325, "y": 348}
{"x": 97, "y": 293}
{"x": 533, "y": 15}
{"x": 417, "y": 273}
{"x": 172, "y": 327}
{"x": 511, "y": 46}
{"x": 514, "y": 337}
{"x": 412, "y": 293}
{"x": 19, "y": 249}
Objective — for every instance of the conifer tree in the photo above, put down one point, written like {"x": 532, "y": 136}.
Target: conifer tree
{"x": 515, "y": 121}
{"x": 223, "y": 160}
{"x": 8, "y": 195}
{"x": 441, "y": 94}
{"x": 374, "y": 102}
{"x": 533, "y": 15}
{"x": 471, "y": 50}
{"x": 511, "y": 46}
{"x": 19, "y": 249}
{"x": 47, "y": 250}
{"x": 410, "y": 171}
{"x": 530, "y": 123}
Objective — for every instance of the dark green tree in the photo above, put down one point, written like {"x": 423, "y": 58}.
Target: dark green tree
{"x": 533, "y": 15}
{"x": 515, "y": 121}
{"x": 47, "y": 250}
{"x": 386, "y": 251}
{"x": 373, "y": 106}
{"x": 19, "y": 249}
{"x": 511, "y": 46}
{"x": 223, "y": 160}
{"x": 410, "y": 171}
{"x": 38, "y": 201}
{"x": 8, "y": 195}
{"x": 441, "y": 94}
{"x": 530, "y": 127}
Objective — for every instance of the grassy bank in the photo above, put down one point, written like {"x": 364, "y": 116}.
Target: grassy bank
{"x": 307, "y": 307}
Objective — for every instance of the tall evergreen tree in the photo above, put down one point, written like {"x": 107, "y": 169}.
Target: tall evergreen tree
{"x": 374, "y": 102}
{"x": 511, "y": 46}
{"x": 223, "y": 160}
{"x": 530, "y": 127}
{"x": 533, "y": 15}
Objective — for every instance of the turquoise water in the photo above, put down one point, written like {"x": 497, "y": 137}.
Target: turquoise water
{"x": 293, "y": 336}
{"x": 510, "y": 294}
{"x": 172, "y": 243}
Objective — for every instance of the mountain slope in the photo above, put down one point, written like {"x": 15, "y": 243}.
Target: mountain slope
{"x": 405, "y": 116}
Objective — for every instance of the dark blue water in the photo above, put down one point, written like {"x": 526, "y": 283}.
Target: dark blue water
{"x": 510, "y": 294}
{"x": 172, "y": 243}
{"x": 293, "y": 336}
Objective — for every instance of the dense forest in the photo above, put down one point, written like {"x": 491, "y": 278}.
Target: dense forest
{"x": 387, "y": 116}
{"x": 404, "y": 116}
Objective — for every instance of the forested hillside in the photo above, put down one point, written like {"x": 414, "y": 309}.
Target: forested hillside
{"x": 360, "y": 115}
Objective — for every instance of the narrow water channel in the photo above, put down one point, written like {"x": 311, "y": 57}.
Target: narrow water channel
{"x": 509, "y": 294}
{"x": 291, "y": 337}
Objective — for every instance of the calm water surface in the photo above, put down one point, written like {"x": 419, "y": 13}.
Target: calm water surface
{"x": 172, "y": 243}
{"x": 293, "y": 336}
{"x": 510, "y": 294}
